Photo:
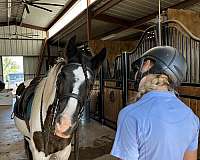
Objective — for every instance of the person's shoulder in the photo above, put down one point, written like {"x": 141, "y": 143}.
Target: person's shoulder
{"x": 186, "y": 107}
{"x": 190, "y": 112}
{"x": 133, "y": 110}
{"x": 195, "y": 119}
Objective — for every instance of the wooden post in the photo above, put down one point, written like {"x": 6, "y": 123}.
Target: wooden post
{"x": 41, "y": 57}
{"x": 76, "y": 143}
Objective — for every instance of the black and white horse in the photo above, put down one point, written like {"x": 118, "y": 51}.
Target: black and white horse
{"x": 48, "y": 110}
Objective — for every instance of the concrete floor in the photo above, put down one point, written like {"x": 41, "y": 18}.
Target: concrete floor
{"x": 95, "y": 140}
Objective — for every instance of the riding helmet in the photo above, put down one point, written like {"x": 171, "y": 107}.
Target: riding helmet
{"x": 167, "y": 60}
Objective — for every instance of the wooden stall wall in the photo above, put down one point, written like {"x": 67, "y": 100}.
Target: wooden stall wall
{"x": 112, "y": 101}
{"x": 95, "y": 101}
{"x": 114, "y": 48}
{"x": 190, "y": 19}
{"x": 189, "y": 94}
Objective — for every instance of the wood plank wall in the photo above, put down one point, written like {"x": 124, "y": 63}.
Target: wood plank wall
{"x": 94, "y": 99}
{"x": 114, "y": 48}
{"x": 112, "y": 103}
{"x": 193, "y": 103}
{"x": 190, "y": 19}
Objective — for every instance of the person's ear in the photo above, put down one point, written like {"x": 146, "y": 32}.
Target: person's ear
{"x": 147, "y": 65}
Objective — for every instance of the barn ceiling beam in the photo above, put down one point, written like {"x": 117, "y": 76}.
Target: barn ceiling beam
{"x": 22, "y": 25}
{"x": 6, "y": 23}
{"x": 106, "y": 6}
{"x": 41, "y": 57}
{"x": 132, "y": 37}
{"x": 31, "y": 26}
{"x": 69, "y": 28}
{"x": 140, "y": 28}
{"x": 66, "y": 8}
{"x": 142, "y": 20}
{"x": 113, "y": 31}
{"x": 22, "y": 39}
{"x": 112, "y": 19}
{"x": 185, "y": 4}
{"x": 138, "y": 22}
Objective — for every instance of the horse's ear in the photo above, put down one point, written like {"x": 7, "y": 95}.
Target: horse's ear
{"x": 71, "y": 47}
{"x": 98, "y": 59}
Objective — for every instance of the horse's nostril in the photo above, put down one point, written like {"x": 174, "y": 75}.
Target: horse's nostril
{"x": 63, "y": 126}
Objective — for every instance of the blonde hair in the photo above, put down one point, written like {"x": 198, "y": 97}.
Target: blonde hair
{"x": 156, "y": 81}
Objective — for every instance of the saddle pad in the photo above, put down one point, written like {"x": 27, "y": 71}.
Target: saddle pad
{"x": 23, "y": 104}
{"x": 22, "y": 110}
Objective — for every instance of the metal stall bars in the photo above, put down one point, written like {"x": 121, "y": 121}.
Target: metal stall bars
{"x": 177, "y": 35}
{"x": 114, "y": 90}
{"x": 111, "y": 88}
{"x": 118, "y": 89}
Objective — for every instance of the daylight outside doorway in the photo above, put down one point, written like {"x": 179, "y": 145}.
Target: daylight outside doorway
{"x": 13, "y": 73}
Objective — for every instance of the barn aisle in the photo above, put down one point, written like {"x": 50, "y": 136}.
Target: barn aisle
{"x": 11, "y": 141}
{"x": 95, "y": 140}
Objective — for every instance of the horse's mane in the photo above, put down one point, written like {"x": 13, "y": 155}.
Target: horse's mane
{"x": 50, "y": 84}
{"x": 46, "y": 89}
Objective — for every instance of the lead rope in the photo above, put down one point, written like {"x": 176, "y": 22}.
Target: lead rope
{"x": 88, "y": 89}
{"x": 76, "y": 133}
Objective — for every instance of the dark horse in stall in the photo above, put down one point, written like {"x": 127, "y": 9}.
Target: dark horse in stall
{"x": 48, "y": 109}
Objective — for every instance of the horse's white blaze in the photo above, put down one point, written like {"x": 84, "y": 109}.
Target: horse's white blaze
{"x": 71, "y": 106}
{"x": 72, "y": 102}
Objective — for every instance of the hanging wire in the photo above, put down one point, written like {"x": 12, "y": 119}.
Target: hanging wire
{"x": 59, "y": 49}
{"x": 159, "y": 23}
{"x": 88, "y": 23}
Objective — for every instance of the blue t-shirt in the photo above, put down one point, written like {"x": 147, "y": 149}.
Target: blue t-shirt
{"x": 157, "y": 127}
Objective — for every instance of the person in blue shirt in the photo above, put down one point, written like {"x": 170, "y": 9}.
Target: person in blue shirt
{"x": 158, "y": 126}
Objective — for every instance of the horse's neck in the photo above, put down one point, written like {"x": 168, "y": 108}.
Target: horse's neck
{"x": 49, "y": 90}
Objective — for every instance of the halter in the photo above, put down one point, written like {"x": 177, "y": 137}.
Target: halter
{"x": 81, "y": 102}
{"x": 55, "y": 107}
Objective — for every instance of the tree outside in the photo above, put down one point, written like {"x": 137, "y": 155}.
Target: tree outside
{"x": 12, "y": 71}
{"x": 9, "y": 66}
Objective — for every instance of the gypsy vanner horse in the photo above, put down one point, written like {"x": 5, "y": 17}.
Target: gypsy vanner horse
{"x": 48, "y": 110}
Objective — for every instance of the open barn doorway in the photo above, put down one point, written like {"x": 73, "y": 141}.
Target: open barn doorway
{"x": 13, "y": 73}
